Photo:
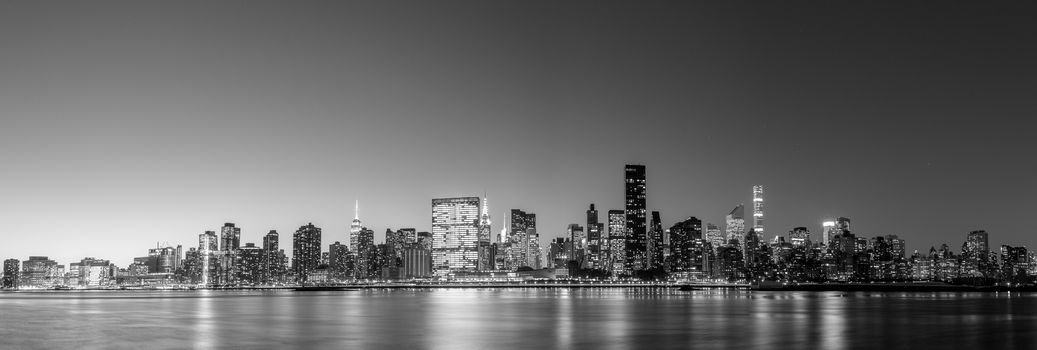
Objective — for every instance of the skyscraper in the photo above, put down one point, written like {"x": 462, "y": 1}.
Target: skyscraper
{"x": 655, "y": 243}
{"x": 827, "y": 232}
{"x": 976, "y": 254}
{"x": 688, "y": 255}
{"x": 274, "y": 260}
{"x": 230, "y": 237}
{"x": 208, "y": 246}
{"x": 11, "y": 268}
{"x": 758, "y": 209}
{"x": 338, "y": 257}
{"x": 522, "y": 233}
{"x": 355, "y": 227}
{"x": 578, "y": 244}
{"x": 305, "y": 251}
{"x": 735, "y": 221}
{"x": 635, "y": 212}
{"x": 486, "y": 257}
{"x": 617, "y": 254}
{"x": 715, "y": 238}
{"x": 455, "y": 231}
{"x": 596, "y": 239}
{"x": 364, "y": 257}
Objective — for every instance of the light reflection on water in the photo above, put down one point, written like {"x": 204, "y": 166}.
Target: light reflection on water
{"x": 516, "y": 318}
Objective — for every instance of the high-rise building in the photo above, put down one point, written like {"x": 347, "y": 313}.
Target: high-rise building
{"x": 230, "y": 237}
{"x": 976, "y": 254}
{"x": 715, "y": 238}
{"x": 830, "y": 229}
{"x": 735, "y": 221}
{"x": 655, "y": 243}
{"x": 305, "y": 251}
{"x": 688, "y": 253}
{"x": 354, "y": 228}
{"x": 250, "y": 269}
{"x": 338, "y": 258}
{"x": 208, "y": 248}
{"x": 596, "y": 240}
{"x": 517, "y": 245}
{"x": 1015, "y": 263}
{"x": 799, "y": 237}
{"x": 636, "y": 215}
{"x": 11, "y": 269}
{"x": 364, "y": 257}
{"x": 758, "y": 209}
{"x": 617, "y": 254}
{"x": 559, "y": 252}
{"x": 486, "y": 257}
{"x": 578, "y": 244}
{"x": 275, "y": 265}
{"x": 827, "y": 232}
{"x": 455, "y": 234}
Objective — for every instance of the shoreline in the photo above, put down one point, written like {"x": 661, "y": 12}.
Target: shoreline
{"x": 827, "y": 287}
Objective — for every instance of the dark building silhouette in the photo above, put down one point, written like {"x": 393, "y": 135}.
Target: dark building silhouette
{"x": 655, "y": 242}
{"x": 596, "y": 240}
{"x": 686, "y": 248}
{"x": 365, "y": 256}
{"x": 636, "y": 226}
{"x": 305, "y": 251}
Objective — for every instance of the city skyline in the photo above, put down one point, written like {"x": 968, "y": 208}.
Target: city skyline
{"x": 230, "y": 233}
{"x": 157, "y": 122}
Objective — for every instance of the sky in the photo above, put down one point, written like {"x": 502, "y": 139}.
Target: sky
{"x": 128, "y": 124}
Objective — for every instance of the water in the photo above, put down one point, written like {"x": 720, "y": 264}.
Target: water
{"x": 516, "y": 318}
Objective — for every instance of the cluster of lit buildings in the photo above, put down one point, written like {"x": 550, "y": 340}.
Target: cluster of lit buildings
{"x": 625, "y": 243}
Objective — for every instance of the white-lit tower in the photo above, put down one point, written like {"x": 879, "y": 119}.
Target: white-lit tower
{"x": 758, "y": 210}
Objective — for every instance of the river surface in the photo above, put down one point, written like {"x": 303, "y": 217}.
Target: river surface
{"x": 516, "y": 319}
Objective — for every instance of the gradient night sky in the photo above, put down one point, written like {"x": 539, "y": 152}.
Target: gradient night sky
{"x": 123, "y": 124}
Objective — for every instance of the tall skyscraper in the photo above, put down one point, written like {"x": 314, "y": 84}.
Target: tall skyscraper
{"x": 455, "y": 234}
{"x": 596, "y": 239}
{"x": 355, "y": 227}
{"x": 636, "y": 212}
{"x": 578, "y": 244}
{"x": 338, "y": 257}
{"x": 715, "y": 238}
{"x": 208, "y": 246}
{"x": 274, "y": 260}
{"x": 655, "y": 242}
{"x": 522, "y": 234}
{"x": 230, "y": 237}
{"x": 827, "y": 232}
{"x": 758, "y": 209}
{"x": 486, "y": 257}
{"x": 617, "y": 254}
{"x": 976, "y": 254}
{"x": 364, "y": 256}
{"x": 735, "y": 221}
{"x": 305, "y": 251}
{"x": 688, "y": 255}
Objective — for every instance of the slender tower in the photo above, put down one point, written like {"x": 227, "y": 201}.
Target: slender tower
{"x": 483, "y": 240}
{"x": 758, "y": 210}
{"x": 354, "y": 228}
